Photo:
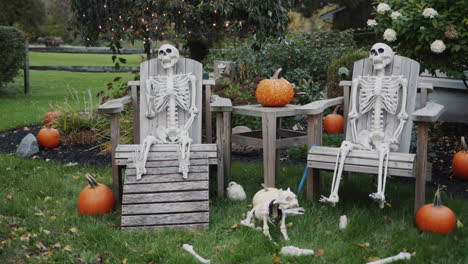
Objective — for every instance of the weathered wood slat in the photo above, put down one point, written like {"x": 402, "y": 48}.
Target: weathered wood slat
{"x": 358, "y": 168}
{"x": 165, "y": 219}
{"x": 164, "y": 227}
{"x": 165, "y": 187}
{"x": 168, "y": 170}
{"x": 362, "y": 161}
{"x": 166, "y": 147}
{"x": 173, "y": 163}
{"x": 168, "y": 156}
{"x": 165, "y": 208}
{"x": 165, "y": 197}
{"x": 174, "y": 177}
{"x": 394, "y": 156}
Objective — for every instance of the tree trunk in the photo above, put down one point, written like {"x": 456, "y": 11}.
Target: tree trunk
{"x": 198, "y": 48}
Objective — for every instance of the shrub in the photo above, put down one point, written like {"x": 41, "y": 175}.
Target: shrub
{"x": 304, "y": 58}
{"x": 333, "y": 75}
{"x": 12, "y": 53}
{"x": 432, "y": 32}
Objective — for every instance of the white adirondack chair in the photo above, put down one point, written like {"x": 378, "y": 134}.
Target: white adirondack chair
{"x": 400, "y": 162}
{"x": 163, "y": 198}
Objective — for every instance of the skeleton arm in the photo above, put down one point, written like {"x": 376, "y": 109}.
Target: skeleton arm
{"x": 353, "y": 114}
{"x": 193, "y": 108}
{"x": 402, "y": 116}
{"x": 149, "y": 100}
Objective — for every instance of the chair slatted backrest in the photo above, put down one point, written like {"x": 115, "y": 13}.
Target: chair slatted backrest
{"x": 154, "y": 67}
{"x": 400, "y": 66}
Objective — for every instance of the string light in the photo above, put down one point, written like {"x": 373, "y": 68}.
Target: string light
{"x": 105, "y": 6}
{"x": 214, "y": 24}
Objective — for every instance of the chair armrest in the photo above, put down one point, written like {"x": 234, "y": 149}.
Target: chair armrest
{"x": 429, "y": 113}
{"x": 133, "y": 83}
{"x": 115, "y": 105}
{"x": 208, "y": 82}
{"x": 345, "y": 83}
{"x": 425, "y": 85}
{"x": 220, "y": 104}
{"x": 319, "y": 106}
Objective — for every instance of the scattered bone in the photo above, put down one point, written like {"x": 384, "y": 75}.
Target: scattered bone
{"x": 189, "y": 249}
{"x": 343, "y": 222}
{"x": 401, "y": 256}
{"x": 235, "y": 192}
{"x": 295, "y": 251}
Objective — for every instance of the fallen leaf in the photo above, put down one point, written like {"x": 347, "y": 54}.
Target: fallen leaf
{"x": 67, "y": 248}
{"x": 319, "y": 252}
{"x": 276, "y": 259}
{"x": 71, "y": 164}
{"x": 289, "y": 225}
{"x": 386, "y": 219}
{"x": 56, "y": 245}
{"x": 40, "y": 213}
{"x": 47, "y": 198}
{"x": 8, "y": 169}
{"x": 364, "y": 245}
{"x": 388, "y": 204}
{"x": 47, "y": 232}
{"x": 370, "y": 259}
{"x": 25, "y": 238}
{"x": 459, "y": 224}
{"x": 433, "y": 246}
{"x": 41, "y": 246}
{"x": 9, "y": 197}
{"x": 53, "y": 217}
{"x": 47, "y": 160}
{"x": 124, "y": 261}
{"x": 76, "y": 177}
{"x": 234, "y": 226}
{"x": 35, "y": 157}
{"x": 328, "y": 232}
{"x": 151, "y": 252}
{"x": 73, "y": 229}
{"x": 249, "y": 206}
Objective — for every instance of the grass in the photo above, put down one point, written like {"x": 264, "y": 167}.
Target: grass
{"x": 47, "y": 59}
{"x": 39, "y": 222}
{"x": 44, "y": 197}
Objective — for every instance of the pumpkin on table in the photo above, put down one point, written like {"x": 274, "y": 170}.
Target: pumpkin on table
{"x": 48, "y": 137}
{"x": 334, "y": 123}
{"x": 274, "y": 91}
{"x": 96, "y": 198}
{"x": 435, "y": 217}
{"x": 51, "y": 116}
{"x": 460, "y": 162}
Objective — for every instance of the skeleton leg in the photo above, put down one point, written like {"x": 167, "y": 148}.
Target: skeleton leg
{"x": 345, "y": 148}
{"x": 184, "y": 153}
{"x": 248, "y": 219}
{"x": 266, "y": 228}
{"x": 140, "y": 157}
{"x": 384, "y": 153}
{"x": 283, "y": 229}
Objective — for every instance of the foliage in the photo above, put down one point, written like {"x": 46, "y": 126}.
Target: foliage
{"x": 12, "y": 53}
{"x": 24, "y": 14}
{"x": 304, "y": 58}
{"x": 333, "y": 75}
{"x": 416, "y": 33}
{"x": 196, "y": 21}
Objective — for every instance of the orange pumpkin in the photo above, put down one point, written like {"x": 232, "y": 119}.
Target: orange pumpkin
{"x": 51, "y": 116}
{"x": 435, "y": 217}
{"x": 96, "y": 198}
{"x": 274, "y": 91}
{"x": 334, "y": 123}
{"x": 460, "y": 162}
{"x": 48, "y": 137}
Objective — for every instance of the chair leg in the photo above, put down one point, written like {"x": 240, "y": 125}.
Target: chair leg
{"x": 313, "y": 183}
{"x": 421, "y": 163}
{"x": 115, "y": 140}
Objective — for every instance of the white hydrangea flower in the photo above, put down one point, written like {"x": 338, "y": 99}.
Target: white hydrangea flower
{"x": 438, "y": 46}
{"x": 429, "y": 13}
{"x": 382, "y": 8}
{"x": 371, "y": 22}
{"x": 395, "y": 15}
{"x": 389, "y": 35}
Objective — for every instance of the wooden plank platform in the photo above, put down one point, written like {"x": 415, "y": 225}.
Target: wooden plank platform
{"x": 364, "y": 161}
{"x": 162, "y": 198}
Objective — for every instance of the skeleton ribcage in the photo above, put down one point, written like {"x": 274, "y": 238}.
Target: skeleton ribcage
{"x": 388, "y": 93}
{"x": 159, "y": 92}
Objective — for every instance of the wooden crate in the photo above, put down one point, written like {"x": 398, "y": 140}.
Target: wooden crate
{"x": 162, "y": 198}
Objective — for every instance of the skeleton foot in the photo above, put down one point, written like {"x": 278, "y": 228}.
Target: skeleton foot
{"x": 332, "y": 200}
{"x": 378, "y": 197}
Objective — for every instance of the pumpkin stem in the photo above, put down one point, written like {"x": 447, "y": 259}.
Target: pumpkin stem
{"x": 276, "y": 74}
{"x": 51, "y": 108}
{"x": 437, "y": 200}
{"x": 91, "y": 181}
{"x": 336, "y": 109}
{"x": 465, "y": 148}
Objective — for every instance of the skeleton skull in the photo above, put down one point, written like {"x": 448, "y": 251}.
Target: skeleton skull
{"x": 381, "y": 55}
{"x": 168, "y": 55}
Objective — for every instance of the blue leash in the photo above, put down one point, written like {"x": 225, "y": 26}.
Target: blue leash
{"x": 304, "y": 176}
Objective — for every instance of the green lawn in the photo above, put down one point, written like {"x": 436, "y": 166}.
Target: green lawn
{"x": 39, "y": 221}
{"x": 44, "y": 198}
{"x": 46, "y": 58}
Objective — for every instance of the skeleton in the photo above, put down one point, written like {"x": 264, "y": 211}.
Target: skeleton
{"x": 189, "y": 249}
{"x": 169, "y": 93}
{"x": 377, "y": 94}
{"x": 401, "y": 256}
{"x": 270, "y": 204}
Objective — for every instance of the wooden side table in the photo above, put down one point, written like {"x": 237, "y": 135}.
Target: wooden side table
{"x": 272, "y": 137}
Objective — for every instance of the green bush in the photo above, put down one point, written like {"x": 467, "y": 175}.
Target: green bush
{"x": 333, "y": 75}
{"x": 432, "y": 32}
{"x": 12, "y": 52}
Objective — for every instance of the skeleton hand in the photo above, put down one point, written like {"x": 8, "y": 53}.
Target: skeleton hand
{"x": 294, "y": 211}
{"x": 403, "y": 115}
{"x": 353, "y": 115}
{"x": 193, "y": 109}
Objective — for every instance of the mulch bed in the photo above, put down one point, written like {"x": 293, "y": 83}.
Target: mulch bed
{"x": 444, "y": 142}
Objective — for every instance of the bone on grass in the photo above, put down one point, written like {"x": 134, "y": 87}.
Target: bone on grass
{"x": 189, "y": 249}
{"x": 401, "y": 256}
